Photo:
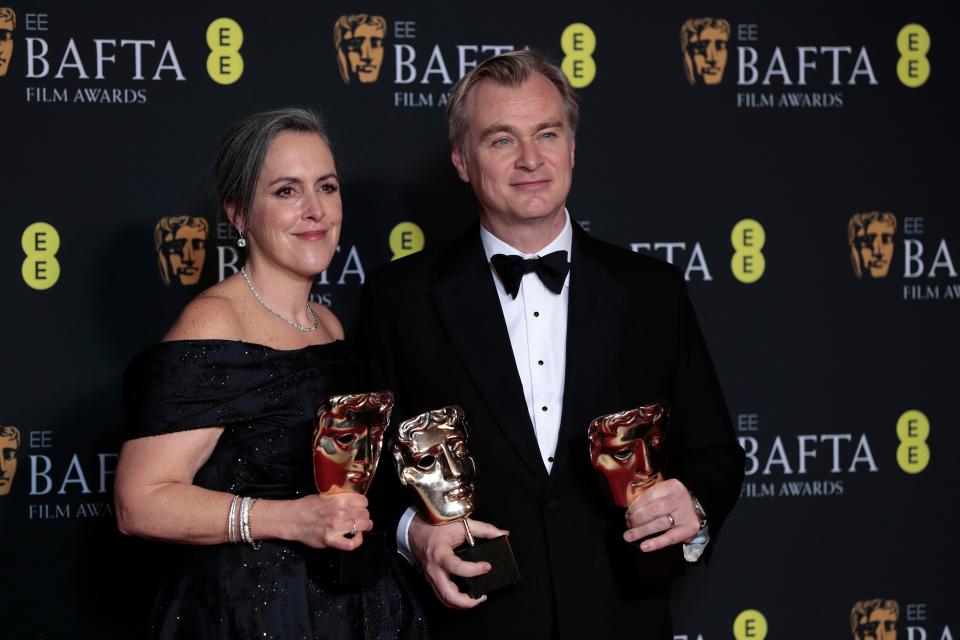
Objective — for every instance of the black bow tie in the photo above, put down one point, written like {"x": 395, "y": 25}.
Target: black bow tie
{"x": 551, "y": 268}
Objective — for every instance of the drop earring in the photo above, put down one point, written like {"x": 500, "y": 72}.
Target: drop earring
{"x": 241, "y": 241}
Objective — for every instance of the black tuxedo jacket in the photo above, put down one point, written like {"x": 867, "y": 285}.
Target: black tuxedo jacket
{"x": 432, "y": 330}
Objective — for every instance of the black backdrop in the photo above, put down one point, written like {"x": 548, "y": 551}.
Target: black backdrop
{"x": 819, "y": 366}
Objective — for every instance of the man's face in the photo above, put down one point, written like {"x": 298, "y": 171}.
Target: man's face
{"x": 518, "y": 152}
{"x": 440, "y": 470}
{"x": 880, "y": 624}
{"x": 6, "y": 45}
{"x": 875, "y": 244}
{"x": 185, "y": 251}
{"x": 8, "y": 459}
{"x": 348, "y": 441}
{"x": 707, "y": 52}
{"x": 361, "y": 52}
{"x": 631, "y": 459}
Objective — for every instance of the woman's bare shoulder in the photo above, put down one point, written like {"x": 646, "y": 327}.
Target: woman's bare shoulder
{"x": 212, "y": 315}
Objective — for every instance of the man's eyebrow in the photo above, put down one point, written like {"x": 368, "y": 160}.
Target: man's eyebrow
{"x": 506, "y": 128}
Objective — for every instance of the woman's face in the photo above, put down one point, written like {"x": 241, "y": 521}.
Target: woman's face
{"x": 294, "y": 219}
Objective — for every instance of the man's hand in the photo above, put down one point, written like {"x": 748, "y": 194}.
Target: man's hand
{"x": 432, "y": 546}
{"x": 665, "y": 508}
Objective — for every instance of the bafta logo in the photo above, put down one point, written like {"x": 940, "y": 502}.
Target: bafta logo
{"x": 703, "y": 42}
{"x": 358, "y": 39}
{"x": 874, "y": 619}
{"x": 870, "y": 235}
{"x": 8, "y": 22}
{"x": 9, "y": 444}
{"x": 181, "y": 243}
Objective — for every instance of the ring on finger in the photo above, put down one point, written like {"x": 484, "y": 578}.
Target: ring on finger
{"x": 352, "y": 532}
{"x": 672, "y": 521}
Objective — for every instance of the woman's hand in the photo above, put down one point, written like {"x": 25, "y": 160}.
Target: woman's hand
{"x": 317, "y": 521}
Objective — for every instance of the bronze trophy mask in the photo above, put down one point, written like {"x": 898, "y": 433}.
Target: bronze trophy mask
{"x": 628, "y": 448}
{"x": 434, "y": 463}
{"x": 347, "y": 440}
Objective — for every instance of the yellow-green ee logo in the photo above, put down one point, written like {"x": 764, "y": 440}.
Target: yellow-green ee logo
{"x": 406, "y": 238}
{"x": 913, "y": 67}
{"x": 748, "y": 263}
{"x": 913, "y": 429}
{"x": 40, "y": 269}
{"x": 224, "y": 39}
{"x": 750, "y": 625}
{"x": 578, "y": 42}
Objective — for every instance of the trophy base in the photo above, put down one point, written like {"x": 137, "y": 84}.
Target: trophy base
{"x": 498, "y": 553}
{"x": 363, "y": 565}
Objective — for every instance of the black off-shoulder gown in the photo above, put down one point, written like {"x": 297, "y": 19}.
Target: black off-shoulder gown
{"x": 265, "y": 399}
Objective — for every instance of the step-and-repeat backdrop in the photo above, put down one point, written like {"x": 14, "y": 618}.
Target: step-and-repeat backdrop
{"x": 796, "y": 162}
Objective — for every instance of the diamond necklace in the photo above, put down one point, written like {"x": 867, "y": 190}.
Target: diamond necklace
{"x": 295, "y": 325}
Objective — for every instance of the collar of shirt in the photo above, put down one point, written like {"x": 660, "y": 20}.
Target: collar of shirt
{"x": 492, "y": 245}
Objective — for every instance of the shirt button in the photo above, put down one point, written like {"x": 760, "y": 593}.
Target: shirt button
{"x": 536, "y": 314}
{"x": 540, "y": 362}
{"x": 543, "y": 408}
{"x": 550, "y": 459}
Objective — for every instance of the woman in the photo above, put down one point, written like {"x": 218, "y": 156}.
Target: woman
{"x": 219, "y": 458}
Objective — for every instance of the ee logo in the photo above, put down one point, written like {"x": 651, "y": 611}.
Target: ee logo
{"x": 750, "y": 625}
{"x": 578, "y": 43}
{"x": 406, "y": 238}
{"x": 913, "y": 43}
{"x": 748, "y": 263}
{"x": 224, "y": 39}
{"x": 41, "y": 269}
{"x": 913, "y": 429}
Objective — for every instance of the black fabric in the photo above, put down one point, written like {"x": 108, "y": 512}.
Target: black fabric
{"x": 552, "y": 270}
{"x": 432, "y": 329}
{"x": 265, "y": 399}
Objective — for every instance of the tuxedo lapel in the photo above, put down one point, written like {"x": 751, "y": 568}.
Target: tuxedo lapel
{"x": 467, "y": 304}
{"x": 595, "y": 329}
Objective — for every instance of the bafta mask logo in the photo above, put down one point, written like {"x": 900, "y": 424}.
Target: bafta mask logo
{"x": 9, "y": 444}
{"x": 870, "y": 235}
{"x": 358, "y": 39}
{"x": 874, "y": 619}
{"x": 703, "y": 42}
{"x": 435, "y": 464}
{"x": 629, "y": 449}
{"x": 181, "y": 243}
{"x": 348, "y": 437}
{"x": 8, "y": 22}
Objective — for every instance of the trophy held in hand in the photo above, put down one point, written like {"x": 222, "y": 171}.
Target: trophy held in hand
{"x": 433, "y": 461}
{"x": 347, "y": 440}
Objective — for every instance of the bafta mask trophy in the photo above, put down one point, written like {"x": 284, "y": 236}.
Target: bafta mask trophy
{"x": 628, "y": 448}
{"x": 434, "y": 463}
{"x": 347, "y": 439}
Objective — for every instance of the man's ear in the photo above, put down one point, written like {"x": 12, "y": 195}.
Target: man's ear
{"x": 573, "y": 147}
{"x": 459, "y": 159}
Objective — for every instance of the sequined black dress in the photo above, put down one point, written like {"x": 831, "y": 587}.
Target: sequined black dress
{"x": 265, "y": 400}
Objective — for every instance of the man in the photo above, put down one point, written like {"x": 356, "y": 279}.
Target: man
{"x": 9, "y": 444}
{"x": 181, "y": 243}
{"x": 704, "y": 45}
{"x": 870, "y": 235}
{"x": 8, "y": 22}
{"x": 532, "y": 364}
{"x": 359, "y": 42}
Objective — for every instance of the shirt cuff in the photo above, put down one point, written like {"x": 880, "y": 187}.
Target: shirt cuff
{"x": 694, "y": 549}
{"x": 403, "y": 536}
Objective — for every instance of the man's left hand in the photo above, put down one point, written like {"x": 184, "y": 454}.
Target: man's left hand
{"x": 666, "y": 509}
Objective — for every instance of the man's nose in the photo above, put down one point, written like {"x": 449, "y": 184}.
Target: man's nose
{"x": 529, "y": 157}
